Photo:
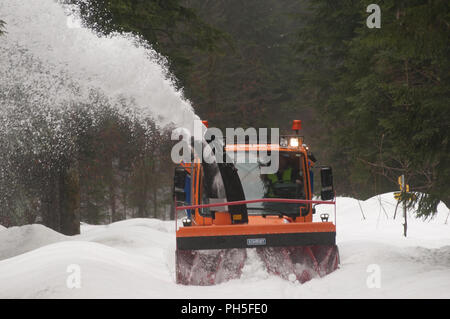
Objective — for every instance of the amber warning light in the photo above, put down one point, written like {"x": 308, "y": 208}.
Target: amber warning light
{"x": 296, "y": 125}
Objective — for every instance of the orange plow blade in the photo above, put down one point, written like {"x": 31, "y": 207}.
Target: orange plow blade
{"x": 215, "y": 253}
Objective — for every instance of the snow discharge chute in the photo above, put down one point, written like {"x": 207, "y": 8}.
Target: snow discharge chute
{"x": 233, "y": 206}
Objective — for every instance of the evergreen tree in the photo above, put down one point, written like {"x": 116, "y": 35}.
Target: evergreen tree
{"x": 2, "y": 27}
{"x": 169, "y": 27}
{"x": 385, "y": 98}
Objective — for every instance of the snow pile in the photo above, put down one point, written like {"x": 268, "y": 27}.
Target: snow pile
{"x": 135, "y": 259}
{"x": 18, "y": 240}
{"x": 373, "y": 220}
{"x": 123, "y": 259}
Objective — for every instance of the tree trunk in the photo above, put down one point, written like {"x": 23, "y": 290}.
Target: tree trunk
{"x": 112, "y": 203}
{"x": 50, "y": 204}
{"x": 172, "y": 211}
{"x": 70, "y": 201}
{"x": 155, "y": 202}
{"x": 115, "y": 215}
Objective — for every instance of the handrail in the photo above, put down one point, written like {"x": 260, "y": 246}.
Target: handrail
{"x": 251, "y": 201}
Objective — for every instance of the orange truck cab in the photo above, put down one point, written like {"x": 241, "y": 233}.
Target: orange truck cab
{"x": 234, "y": 205}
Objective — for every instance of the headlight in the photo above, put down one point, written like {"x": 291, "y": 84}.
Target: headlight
{"x": 187, "y": 222}
{"x": 293, "y": 142}
{"x": 283, "y": 142}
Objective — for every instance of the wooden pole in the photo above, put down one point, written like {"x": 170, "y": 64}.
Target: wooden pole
{"x": 405, "y": 224}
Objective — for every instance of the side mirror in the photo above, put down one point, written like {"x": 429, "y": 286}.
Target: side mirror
{"x": 179, "y": 181}
{"x": 326, "y": 177}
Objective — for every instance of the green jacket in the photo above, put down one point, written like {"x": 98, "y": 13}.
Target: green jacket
{"x": 286, "y": 177}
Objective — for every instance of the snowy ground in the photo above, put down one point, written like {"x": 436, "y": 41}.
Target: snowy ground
{"x": 135, "y": 259}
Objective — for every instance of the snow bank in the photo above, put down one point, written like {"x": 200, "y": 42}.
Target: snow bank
{"x": 135, "y": 259}
{"x": 18, "y": 240}
{"x": 374, "y": 219}
{"x": 105, "y": 273}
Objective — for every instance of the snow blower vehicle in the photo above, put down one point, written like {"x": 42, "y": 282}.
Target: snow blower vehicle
{"x": 234, "y": 207}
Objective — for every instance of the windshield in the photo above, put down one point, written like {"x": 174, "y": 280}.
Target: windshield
{"x": 286, "y": 183}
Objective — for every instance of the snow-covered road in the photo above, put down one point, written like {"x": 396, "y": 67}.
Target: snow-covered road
{"x": 135, "y": 259}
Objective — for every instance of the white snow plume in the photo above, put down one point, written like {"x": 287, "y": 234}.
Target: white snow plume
{"x": 59, "y": 79}
{"x": 50, "y": 54}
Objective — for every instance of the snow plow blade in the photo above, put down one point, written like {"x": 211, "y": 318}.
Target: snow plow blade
{"x": 209, "y": 255}
{"x": 300, "y": 263}
{"x": 294, "y": 263}
{"x": 209, "y": 267}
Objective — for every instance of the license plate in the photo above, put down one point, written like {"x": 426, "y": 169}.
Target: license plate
{"x": 256, "y": 242}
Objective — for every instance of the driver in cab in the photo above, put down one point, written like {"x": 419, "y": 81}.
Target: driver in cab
{"x": 287, "y": 181}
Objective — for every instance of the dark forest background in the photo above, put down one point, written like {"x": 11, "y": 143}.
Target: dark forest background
{"x": 375, "y": 103}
